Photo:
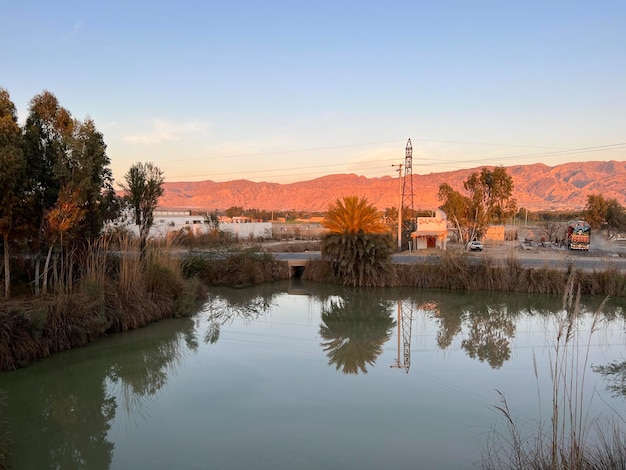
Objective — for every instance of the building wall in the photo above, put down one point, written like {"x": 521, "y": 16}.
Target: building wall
{"x": 494, "y": 234}
{"x": 171, "y": 221}
{"x": 433, "y": 229}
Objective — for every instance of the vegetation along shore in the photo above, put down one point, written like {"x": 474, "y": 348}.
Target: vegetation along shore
{"x": 73, "y": 271}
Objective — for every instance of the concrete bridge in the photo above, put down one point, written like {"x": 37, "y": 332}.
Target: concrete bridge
{"x": 297, "y": 261}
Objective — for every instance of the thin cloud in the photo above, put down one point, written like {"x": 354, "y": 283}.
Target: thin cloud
{"x": 164, "y": 131}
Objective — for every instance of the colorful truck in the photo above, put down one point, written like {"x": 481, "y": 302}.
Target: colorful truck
{"x": 578, "y": 235}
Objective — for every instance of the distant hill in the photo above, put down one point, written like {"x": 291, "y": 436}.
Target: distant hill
{"x": 536, "y": 187}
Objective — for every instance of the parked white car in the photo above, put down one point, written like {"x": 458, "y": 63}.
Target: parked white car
{"x": 475, "y": 245}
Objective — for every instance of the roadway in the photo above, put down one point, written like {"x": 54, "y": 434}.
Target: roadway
{"x": 537, "y": 258}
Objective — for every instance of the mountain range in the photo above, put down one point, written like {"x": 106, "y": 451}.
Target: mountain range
{"x": 536, "y": 187}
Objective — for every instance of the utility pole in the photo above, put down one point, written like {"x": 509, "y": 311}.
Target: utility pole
{"x": 406, "y": 192}
{"x": 399, "y": 170}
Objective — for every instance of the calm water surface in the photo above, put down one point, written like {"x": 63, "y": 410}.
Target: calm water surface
{"x": 306, "y": 376}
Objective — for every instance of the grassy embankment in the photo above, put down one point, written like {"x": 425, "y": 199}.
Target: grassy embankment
{"x": 458, "y": 271}
{"x": 103, "y": 293}
{"x": 117, "y": 290}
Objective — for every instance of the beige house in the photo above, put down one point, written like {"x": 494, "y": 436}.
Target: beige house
{"x": 494, "y": 234}
{"x": 431, "y": 232}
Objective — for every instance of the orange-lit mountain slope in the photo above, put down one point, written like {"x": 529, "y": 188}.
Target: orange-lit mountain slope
{"x": 536, "y": 187}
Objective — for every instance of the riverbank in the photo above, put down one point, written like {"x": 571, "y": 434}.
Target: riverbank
{"x": 123, "y": 292}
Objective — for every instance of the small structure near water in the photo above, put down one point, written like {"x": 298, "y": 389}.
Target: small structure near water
{"x": 431, "y": 232}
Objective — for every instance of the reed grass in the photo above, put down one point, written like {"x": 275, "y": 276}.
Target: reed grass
{"x": 247, "y": 267}
{"x": 457, "y": 271}
{"x": 571, "y": 439}
{"x": 114, "y": 292}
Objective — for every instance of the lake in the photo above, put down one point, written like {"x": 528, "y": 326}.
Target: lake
{"x": 299, "y": 375}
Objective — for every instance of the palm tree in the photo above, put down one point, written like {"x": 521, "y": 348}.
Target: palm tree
{"x": 357, "y": 246}
{"x": 353, "y": 215}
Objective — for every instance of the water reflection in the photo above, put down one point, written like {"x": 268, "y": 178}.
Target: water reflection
{"x": 60, "y": 411}
{"x": 356, "y": 323}
{"x": 615, "y": 374}
{"x": 355, "y": 327}
{"x": 226, "y": 305}
{"x": 67, "y": 403}
{"x": 489, "y": 333}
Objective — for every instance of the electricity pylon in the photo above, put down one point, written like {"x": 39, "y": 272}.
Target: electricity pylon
{"x": 406, "y": 214}
{"x": 405, "y": 319}
{"x": 407, "y": 182}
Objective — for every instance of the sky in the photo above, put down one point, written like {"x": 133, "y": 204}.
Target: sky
{"x": 285, "y": 91}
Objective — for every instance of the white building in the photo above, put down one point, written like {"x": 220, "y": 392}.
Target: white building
{"x": 166, "y": 221}
{"x": 431, "y": 232}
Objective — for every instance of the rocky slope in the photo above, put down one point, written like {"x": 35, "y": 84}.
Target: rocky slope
{"x": 536, "y": 187}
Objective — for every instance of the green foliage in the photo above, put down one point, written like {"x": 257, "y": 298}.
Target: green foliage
{"x": 600, "y": 212}
{"x": 242, "y": 268}
{"x": 188, "y": 301}
{"x": 595, "y": 210}
{"x": 489, "y": 200}
{"x": 144, "y": 187}
{"x": 94, "y": 181}
{"x": 65, "y": 192}
{"x": 162, "y": 281}
{"x": 360, "y": 259}
{"x": 11, "y": 167}
{"x": 357, "y": 248}
{"x": 234, "y": 211}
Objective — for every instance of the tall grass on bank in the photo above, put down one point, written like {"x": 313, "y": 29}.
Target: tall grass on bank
{"x": 458, "y": 271}
{"x": 571, "y": 439}
{"x": 115, "y": 291}
{"x": 248, "y": 267}
{"x": 461, "y": 272}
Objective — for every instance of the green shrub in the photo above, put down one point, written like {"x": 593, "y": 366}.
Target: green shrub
{"x": 360, "y": 259}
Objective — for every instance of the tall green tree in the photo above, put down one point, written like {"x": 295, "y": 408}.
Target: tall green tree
{"x": 92, "y": 178}
{"x": 144, "y": 187}
{"x": 457, "y": 208}
{"x": 615, "y": 218}
{"x": 11, "y": 166}
{"x": 47, "y": 139}
{"x": 47, "y": 136}
{"x": 595, "y": 210}
{"x": 489, "y": 200}
{"x": 600, "y": 213}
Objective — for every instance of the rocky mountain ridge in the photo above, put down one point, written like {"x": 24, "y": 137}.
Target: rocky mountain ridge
{"x": 536, "y": 187}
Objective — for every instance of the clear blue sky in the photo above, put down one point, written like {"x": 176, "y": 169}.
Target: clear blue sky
{"x": 290, "y": 90}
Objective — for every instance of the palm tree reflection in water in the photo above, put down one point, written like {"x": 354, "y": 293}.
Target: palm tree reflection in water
{"x": 355, "y": 327}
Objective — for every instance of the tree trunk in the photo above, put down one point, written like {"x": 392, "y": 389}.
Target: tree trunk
{"x": 7, "y": 272}
{"x": 45, "y": 269}
{"x": 37, "y": 265}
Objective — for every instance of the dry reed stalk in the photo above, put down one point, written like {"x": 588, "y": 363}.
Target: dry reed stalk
{"x": 567, "y": 443}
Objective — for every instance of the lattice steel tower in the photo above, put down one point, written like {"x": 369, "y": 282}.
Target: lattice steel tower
{"x": 408, "y": 222}
{"x": 405, "y": 320}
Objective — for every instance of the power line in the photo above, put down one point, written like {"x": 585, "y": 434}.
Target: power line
{"x": 427, "y": 162}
